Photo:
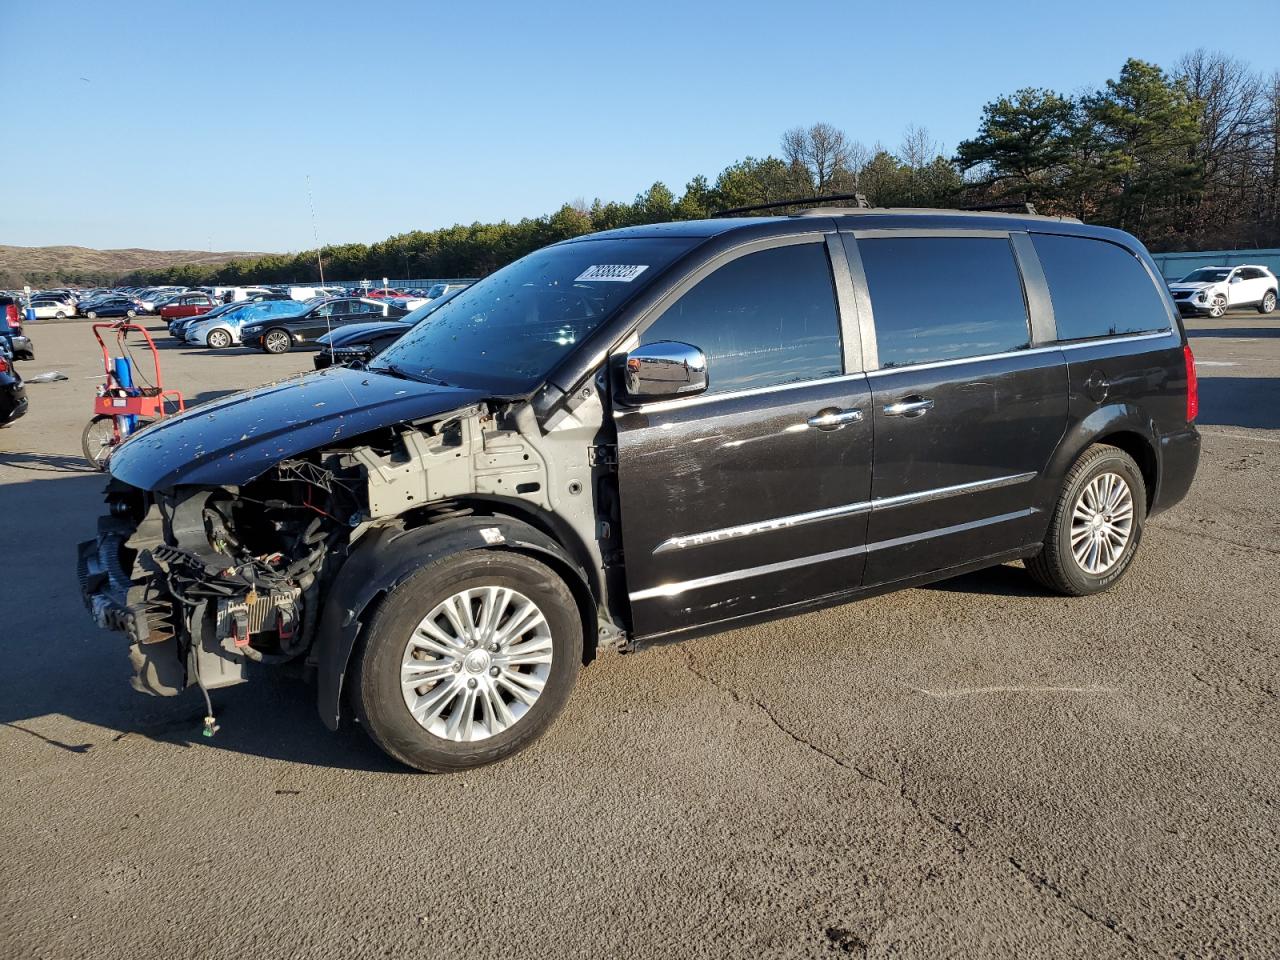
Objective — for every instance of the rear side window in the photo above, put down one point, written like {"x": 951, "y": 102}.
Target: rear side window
{"x": 1098, "y": 289}
{"x": 764, "y": 319}
{"x": 944, "y": 298}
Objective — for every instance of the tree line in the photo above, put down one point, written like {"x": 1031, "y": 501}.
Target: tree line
{"x": 1185, "y": 159}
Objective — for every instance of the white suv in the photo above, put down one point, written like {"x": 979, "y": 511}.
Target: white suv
{"x": 1214, "y": 290}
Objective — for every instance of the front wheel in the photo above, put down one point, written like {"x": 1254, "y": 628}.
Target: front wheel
{"x": 1218, "y": 307}
{"x": 131, "y": 314}
{"x": 468, "y": 661}
{"x": 1096, "y": 525}
{"x": 218, "y": 339}
{"x": 60, "y": 315}
{"x": 276, "y": 341}
{"x": 1268, "y": 304}
{"x": 92, "y": 314}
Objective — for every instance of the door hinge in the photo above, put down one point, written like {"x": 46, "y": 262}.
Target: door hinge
{"x": 603, "y": 455}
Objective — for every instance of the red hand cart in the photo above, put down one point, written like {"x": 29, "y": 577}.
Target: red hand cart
{"x": 121, "y": 409}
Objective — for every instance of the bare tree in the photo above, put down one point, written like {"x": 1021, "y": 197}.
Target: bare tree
{"x": 821, "y": 154}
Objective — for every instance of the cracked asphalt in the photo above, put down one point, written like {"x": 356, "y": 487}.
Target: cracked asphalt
{"x": 974, "y": 769}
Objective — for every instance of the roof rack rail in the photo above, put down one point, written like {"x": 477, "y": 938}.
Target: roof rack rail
{"x": 859, "y": 199}
{"x": 1026, "y": 206}
{"x": 931, "y": 212}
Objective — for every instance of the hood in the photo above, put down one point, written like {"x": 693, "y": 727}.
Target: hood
{"x": 231, "y": 441}
{"x": 1193, "y": 286}
{"x": 357, "y": 332}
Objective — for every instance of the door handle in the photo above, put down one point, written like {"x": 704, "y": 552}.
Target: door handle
{"x": 909, "y": 407}
{"x": 833, "y": 418}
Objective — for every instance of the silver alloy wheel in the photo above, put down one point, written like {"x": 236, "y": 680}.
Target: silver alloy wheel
{"x": 1218, "y": 307}
{"x": 1269, "y": 302}
{"x": 1102, "y": 523}
{"x": 277, "y": 341}
{"x": 219, "y": 339}
{"x": 476, "y": 663}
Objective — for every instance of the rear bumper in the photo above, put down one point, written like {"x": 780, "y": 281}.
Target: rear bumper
{"x": 1179, "y": 459}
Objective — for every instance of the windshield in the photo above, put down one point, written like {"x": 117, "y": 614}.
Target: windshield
{"x": 509, "y": 330}
{"x": 1206, "y": 275}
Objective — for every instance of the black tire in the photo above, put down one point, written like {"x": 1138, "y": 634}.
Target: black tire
{"x": 1268, "y": 302}
{"x": 281, "y": 343}
{"x": 218, "y": 339}
{"x": 93, "y": 440}
{"x": 60, "y": 315}
{"x": 376, "y": 689}
{"x": 1056, "y": 566}
{"x": 1218, "y": 306}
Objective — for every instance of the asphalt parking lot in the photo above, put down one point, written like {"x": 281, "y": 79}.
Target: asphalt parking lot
{"x": 974, "y": 769}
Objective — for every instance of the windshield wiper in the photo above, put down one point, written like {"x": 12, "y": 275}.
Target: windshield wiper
{"x": 403, "y": 374}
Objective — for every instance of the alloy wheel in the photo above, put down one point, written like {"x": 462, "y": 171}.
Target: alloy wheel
{"x": 1102, "y": 523}
{"x": 1218, "y": 307}
{"x": 219, "y": 339}
{"x": 276, "y": 341}
{"x": 1269, "y": 302}
{"x": 476, "y": 664}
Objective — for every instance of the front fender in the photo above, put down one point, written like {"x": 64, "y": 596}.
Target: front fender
{"x": 388, "y": 556}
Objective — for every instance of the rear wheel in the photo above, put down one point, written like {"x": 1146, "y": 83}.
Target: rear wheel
{"x": 218, "y": 339}
{"x": 92, "y": 314}
{"x": 1268, "y": 304}
{"x": 131, "y": 314}
{"x": 1096, "y": 526}
{"x": 468, "y": 661}
{"x": 60, "y": 315}
{"x": 276, "y": 341}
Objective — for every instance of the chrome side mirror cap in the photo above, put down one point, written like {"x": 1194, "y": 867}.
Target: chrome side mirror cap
{"x": 664, "y": 370}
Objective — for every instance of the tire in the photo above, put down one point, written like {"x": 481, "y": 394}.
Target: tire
{"x": 92, "y": 314}
{"x": 1218, "y": 307}
{"x": 1057, "y": 566}
{"x": 130, "y": 314}
{"x": 218, "y": 339}
{"x": 1268, "y": 302}
{"x": 468, "y": 730}
{"x": 60, "y": 315}
{"x": 276, "y": 340}
{"x": 98, "y": 440}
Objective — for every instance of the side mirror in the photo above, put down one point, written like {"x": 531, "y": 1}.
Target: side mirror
{"x": 665, "y": 369}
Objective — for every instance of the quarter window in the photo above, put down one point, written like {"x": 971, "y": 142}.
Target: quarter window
{"x": 1098, "y": 289}
{"x": 763, "y": 319}
{"x": 944, "y": 298}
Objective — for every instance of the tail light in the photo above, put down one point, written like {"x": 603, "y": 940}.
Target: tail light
{"x": 11, "y": 316}
{"x": 1193, "y": 385}
{"x": 4, "y": 365}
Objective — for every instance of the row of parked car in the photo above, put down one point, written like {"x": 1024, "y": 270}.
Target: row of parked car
{"x": 14, "y": 346}
{"x": 355, "y": 327}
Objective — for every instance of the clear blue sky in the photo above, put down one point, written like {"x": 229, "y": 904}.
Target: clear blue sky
{"x": 197, "y": 122}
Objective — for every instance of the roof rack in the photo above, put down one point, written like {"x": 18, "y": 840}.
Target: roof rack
{"x": 930, "y": 212}
{"x": 857, "y": 198}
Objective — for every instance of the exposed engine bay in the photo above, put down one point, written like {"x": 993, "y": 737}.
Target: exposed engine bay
{"x": 203, "y": 580}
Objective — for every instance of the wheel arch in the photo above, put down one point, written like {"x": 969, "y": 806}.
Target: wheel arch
{"x": 387, "y": 556}
{"x": 1122, "y": 425}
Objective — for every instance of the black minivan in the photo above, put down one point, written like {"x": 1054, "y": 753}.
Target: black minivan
{"x": 647, "y": 434}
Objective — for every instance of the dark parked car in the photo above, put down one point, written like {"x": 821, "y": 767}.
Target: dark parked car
{"x": 116, "y": 307}
{"x": 13, "y": 393}
{"x": 361, "y": 342}
{"x": 280, "y": 335}
{"x": 770, "y": 415}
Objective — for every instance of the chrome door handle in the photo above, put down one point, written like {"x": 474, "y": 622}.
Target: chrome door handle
{"x": 909, "y": 407}
{"x": 833, "y": 418}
